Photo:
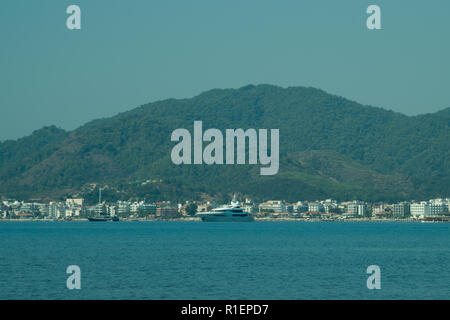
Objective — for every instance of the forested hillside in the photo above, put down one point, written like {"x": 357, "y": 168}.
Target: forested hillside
{"x": 329, "y": 147}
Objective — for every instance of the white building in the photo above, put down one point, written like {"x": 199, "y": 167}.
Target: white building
{"x": 123, "y": 207}
{"x": 112, "y": 211}
{"x": 436, "y": 209}
{"x": 438, "y": 206}
{"x": 356, "y": 208}
{"x": 275, "y": 205}
{"x": 77, "y": 202}
{"x": 430, "y": 208}
{"x": 329, "y": 205}
{"x": 420, "y": 210}
{"x": 315, "y": 207}
{"x": 361, "y": 210}
{"x": 378, "y": 209}
{"x": 100, "y": 209}
{"x": 72, "y": 212}
{"x": 300, "y": 207}
{"x": 55, "y": 210}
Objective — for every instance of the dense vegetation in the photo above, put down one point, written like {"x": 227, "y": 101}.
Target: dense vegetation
{"x": 329, "y": 147}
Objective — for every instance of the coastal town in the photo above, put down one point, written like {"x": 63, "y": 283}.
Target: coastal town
{"x": 75, "y": 209}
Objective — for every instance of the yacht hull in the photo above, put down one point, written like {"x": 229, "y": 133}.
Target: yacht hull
{"x": 214, "y": 218}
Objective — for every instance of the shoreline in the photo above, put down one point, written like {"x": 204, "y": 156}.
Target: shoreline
{"x": 195, "y": 219}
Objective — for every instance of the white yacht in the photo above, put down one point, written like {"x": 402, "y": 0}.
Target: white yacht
{"x": 230, "y": 213}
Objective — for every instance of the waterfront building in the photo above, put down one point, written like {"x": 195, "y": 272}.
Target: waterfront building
{"x": 142, "y": 208}
{"x": 55, "y": 210}
{"x": 400, "y": 210}
{"x": 72, "y": 212}
{"x": 438, "y": 206}
{"x": 90, "y": 210}
{"x": 100, "y": 209}
{"x": 329, "y": 208}
{"x": 352, "y": 209}
{"x": 420, "y": 210}
{"x": 42, "y": 209}
{"x": 356, "y": 208}
{"x": 112, "y": 210}
{"x": 446, "y": 203}
{"x": 315, "y": 207}
{"x": 123, "y": 207}
{"x": 134, "y": 207}
{"x": 361, "y": 210}
{"x": 379, "y": 209}
{"x": 75, "y": 202}
{"x": 277, "y": 206}
{"x": 27, "y": 208}
{"x": 167, "y": 212}
{"x": 436, "y": 209}
{"x": 68, "y": 212}
{"x": 300, "y": 207}
{"x": 149, "y": 208}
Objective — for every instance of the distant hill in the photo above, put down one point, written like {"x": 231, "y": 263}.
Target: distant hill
{"x": 329, "y": 147}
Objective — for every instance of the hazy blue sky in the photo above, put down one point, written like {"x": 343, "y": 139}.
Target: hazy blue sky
{"x": 132, "y": 52}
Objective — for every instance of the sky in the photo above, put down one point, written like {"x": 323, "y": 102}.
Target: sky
{"x": 131, "y": 52}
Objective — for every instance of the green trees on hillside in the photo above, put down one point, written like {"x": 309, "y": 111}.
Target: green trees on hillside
{"x": 355, "y": 151}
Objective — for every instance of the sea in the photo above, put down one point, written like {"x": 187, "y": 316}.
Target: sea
{"x": 197, "y": 260}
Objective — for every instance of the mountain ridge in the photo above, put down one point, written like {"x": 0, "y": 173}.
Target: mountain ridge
{"x": 400, "y": 152}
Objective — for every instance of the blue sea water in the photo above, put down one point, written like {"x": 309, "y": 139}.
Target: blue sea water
{"x": 195, "y": 260}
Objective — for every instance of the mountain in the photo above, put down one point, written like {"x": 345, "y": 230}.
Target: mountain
{"x": 329, "y": 147}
